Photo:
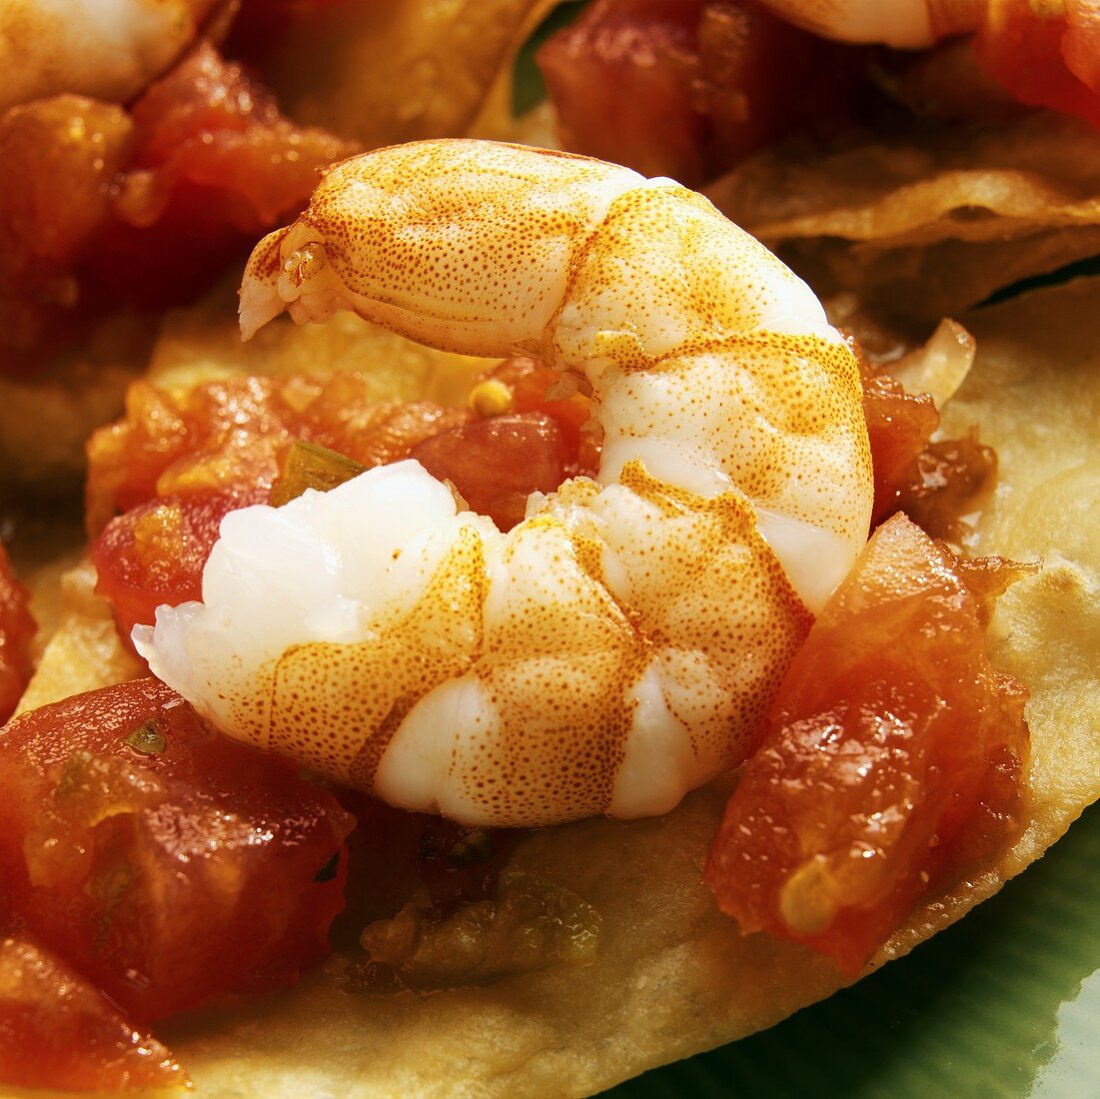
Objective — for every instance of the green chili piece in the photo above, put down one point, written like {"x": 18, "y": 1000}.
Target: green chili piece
{"x": 147, "y": 738}
{"x": 308, "y": 465}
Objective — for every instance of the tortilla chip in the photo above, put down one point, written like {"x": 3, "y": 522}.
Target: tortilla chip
{"x": 84, "y": 650}
{"x": 203, "y": 344}
{"x": 673, "y": 976}
{"x": 45, "y": 420}
{"x": 929, "y": 223}
{"x": 399, "y": 70}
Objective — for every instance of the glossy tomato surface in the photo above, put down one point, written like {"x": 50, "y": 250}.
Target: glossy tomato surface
{"x": 58, "y": 1031}
{"x": 156, "y": 552}
{"x": 892, "y": 764}
{"x": 162, "y": 860}
{"x": 17, "y": 629}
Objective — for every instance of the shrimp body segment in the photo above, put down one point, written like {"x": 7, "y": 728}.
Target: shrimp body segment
{"x": 621, "y": 645}
{"x": 106, "y": 49}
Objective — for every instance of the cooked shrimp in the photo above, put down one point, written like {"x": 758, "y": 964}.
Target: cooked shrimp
{"x": 620, "y": 645}
{"x": 107, "y": 49}
{"x": 899, "y": 23}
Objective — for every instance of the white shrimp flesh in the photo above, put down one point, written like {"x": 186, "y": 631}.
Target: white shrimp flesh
{"x": 621, "y": 645}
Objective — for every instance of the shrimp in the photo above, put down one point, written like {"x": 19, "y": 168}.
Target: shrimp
{"x": 620, "y": 646}
{"x": 898, "y": 23}
{"x": 106, "y": 49}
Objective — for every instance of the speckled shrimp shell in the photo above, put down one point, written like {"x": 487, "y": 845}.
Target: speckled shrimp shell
{"x": 106, "y": 49}
{"x": 899, "y": 23}
{"x": 619, "y": 646}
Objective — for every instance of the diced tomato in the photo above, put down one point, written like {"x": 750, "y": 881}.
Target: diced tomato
{"x": 150, "y": 204}
{"x": 892, "y": 764}
{"x": 17, "y": 630}
{"x": 686, "y": 88}
{"x": 228, "y": 436}
{"x": 497, "y": 463}
{"x": 58, "y": 1031}
{"x": 214, "y": 165}
{"x": 1046, "y": 54}
{"x": 899, "y": 425}
{"x": 72, "y": 148}
{"x": 944, "y": 482}
{"x": 59, "y": 157}
{"x": 934, "y": 483}
{"x": 155, "y": 553}
{"x": 530, "y": 385}
{"x": 620, "y": 78}
{"x": 235, "y": 424}
{"x": 163, "y": 861}
{"x": 760, "y": 77}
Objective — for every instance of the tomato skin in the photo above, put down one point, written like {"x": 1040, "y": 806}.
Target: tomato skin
{"x": 58, "y": 1031}
{"x": 497, "y": 463}
{"x": 892, "y": 763}
{"x": 621, "y": 82}
{"x": 1045, "y": 55}
{"x": 213, "y": 165}
{"x": 687, "y": 88}
{"x": 155, "y": 553}
{"x": 17, "y": 629}
{"x": 164, "y": 876}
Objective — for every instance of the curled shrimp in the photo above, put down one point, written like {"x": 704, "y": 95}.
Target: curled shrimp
{"x": 106, "y": 49}
{"x": 899, "y": 23}
{"x": 620, "y": 645}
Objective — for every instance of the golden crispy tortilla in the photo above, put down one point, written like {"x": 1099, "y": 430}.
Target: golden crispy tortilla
{"x": 45, "y": 419}
{"x": 387, "y": 71}
{"x": 930, "y": 223}
{"x": 673, "y": 976}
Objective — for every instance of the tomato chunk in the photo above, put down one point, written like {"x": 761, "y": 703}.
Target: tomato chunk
{"x": 687, "y": 88}
{"x": 229, "y": 436}
{"x": 621, "y": 82}
{"x": 163, "y": 861}
{"x": 934, "y": 483}
{"x": 899, "y": 425}
{"x": 60, "y": 157}
{"x": 155, "y": 553}
{"x": 58, "y": 1031}
{"x": 213, "y": 165}
{"x": 1047, "y": 55}
{"x": 497, "y": 463}
{"x": 892, "y": 763}
{"x": 943, "y": 483}
{"x": 16, "y": 634}
{"x": 531, "y": 387}
{"x": 93, "y": 198}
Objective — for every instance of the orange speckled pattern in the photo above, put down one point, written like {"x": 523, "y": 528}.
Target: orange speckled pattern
{"x": 621, "y": 645}
{"x": 413, "y": 238}
{"x": 318, "y": 719}
{"x": 776, "y": 413}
